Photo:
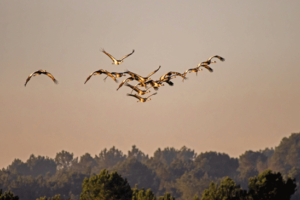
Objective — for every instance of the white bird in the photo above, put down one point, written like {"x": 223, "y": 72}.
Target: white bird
{"x": 99, "y": 72}
{"x": 141, "y": 99}
{"x": 115, "y": 61}
{"x": 39, "y": 72}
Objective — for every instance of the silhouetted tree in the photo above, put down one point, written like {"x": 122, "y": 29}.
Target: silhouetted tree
{"x": 8, "y": 195}
{"x": 63, "y": 159}
{"x": 106, "y": 186}
{"x": 271, "y": 186}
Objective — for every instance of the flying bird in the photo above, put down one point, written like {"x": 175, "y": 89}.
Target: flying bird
{"x": 115, "y": 61}
{"x": 99, "y": 72}
{"x": 39, "y": 72}
{"x": 141, "y": 79}
{"x": 139, "y": 91}
{"x": 141, "y": 99}
{"x": 196, "y": 70}
{"x": 125, "y": 81}
{"x": 208, "y": 62}
{"x": 154, "y": 84}
{"x": 116, "y": 74}
{"x": 206, "y": 66}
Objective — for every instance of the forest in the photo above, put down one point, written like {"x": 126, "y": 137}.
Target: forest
{"x": 170, "y": 173}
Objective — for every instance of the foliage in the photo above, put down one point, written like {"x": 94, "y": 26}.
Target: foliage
{"x": 142, "y": 194}
{"x": 226, "y": 190}
{"x": 8, "y": 195}
{"x": 271, "y": 186}
{"x": 180, "y": 172}
{"x": 106, "y": 186}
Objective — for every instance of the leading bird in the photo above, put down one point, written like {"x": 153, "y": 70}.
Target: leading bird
{"x": 115, "y": 61}
{"x": 39, "y": 72}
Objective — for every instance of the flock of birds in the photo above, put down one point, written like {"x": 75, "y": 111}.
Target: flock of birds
{"x": 145, "y": 82}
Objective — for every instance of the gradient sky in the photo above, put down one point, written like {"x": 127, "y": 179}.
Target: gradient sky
{"x": 250, "y": 101}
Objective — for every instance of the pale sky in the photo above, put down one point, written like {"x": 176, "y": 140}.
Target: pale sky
{"x": 250, "y": 101}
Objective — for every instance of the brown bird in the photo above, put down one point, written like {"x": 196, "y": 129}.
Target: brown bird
{"x": 173, "y": 74}
{"x": 208, "y": 62}
{"x": 141, "y": 99}
{"x": 154, "y": 84}
{"x": 99, "y": 72}
{"x": 207, "y": 67}
{"x": 140, "y": 78}
{"x": 115, "y": 61}
{"x": 39, "y": 72}
{"x": 125, "y": 81}
{"x": 116, "y": 74}
{"x": 196, "y": 69}
{"x": 139, "y": 91}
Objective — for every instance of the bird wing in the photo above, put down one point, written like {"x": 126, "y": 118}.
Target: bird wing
{"x": 207, "y": 67}
{"x": 153, "y": 72}
{"x": 52, "y": 77}
{"x": 132, "y": 87}
{"x": 29, "y": 77}
{"x": 134, "y": 95}
{"x": 151, "y": 95}
{"x": 110, "y": 75}
{"x": 128, "y": 55}
{"x": 125, "y": 81}
{"x": 178, "y": 74}
{"x": 98, "y": 72}
{"x": 216, "y": 56}
{"x": 111, "y": 57}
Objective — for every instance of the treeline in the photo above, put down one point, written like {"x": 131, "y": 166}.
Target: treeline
{"x": 180, "y": 172}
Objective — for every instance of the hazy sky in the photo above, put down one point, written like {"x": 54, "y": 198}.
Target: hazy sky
{"x": 250, "y": 101}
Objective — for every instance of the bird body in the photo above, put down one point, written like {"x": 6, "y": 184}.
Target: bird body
{"x": 116, "y": 74}
{"x": 115, "y": 61}
{"x": 196, "y": 70}
{"x": 209, "y": 60}
{"x": 141, "y": 99}
{"x": 39, "y": 72}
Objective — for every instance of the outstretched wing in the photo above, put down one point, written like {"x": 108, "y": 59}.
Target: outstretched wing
{"x": 178, "y": 74}
{"x": 132, "y": 87}
{"x": 110, "y": 75}
{"x": 207, "y": 67}
{"x": 111, "y": 57}
{"x": 134, "y": 95}
{"x": 151, "y": 95}
{"x": 29, "y": 77}
{"x": 94, "y": 73}
{"x": 216, "y": 56}
{"x": 52, "y": 77}
{"x": 128, "y": 55}
{"x": 153, "y": 72}
{"x": 125, "y": 81}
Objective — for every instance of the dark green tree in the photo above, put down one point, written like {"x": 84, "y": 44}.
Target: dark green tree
{"x": 142, "y": 194}
{"x": 8, "y": 195}
{"x": 106, "y": 186}
{"x": 271, "y": 186}
{"x": 167, "y": 196}
{"x": 226, "y": 190}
